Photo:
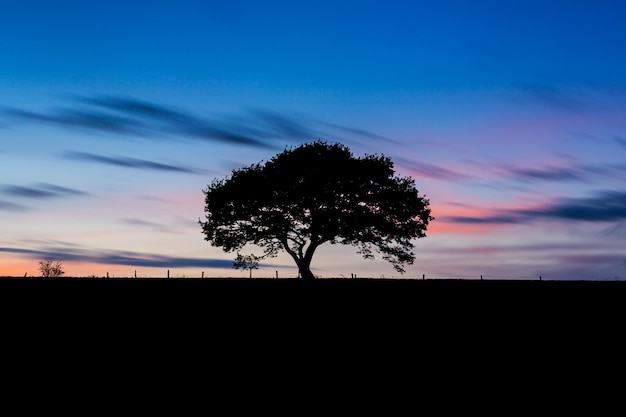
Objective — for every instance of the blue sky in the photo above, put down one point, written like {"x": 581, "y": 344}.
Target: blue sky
{"x": 510, "y": 116}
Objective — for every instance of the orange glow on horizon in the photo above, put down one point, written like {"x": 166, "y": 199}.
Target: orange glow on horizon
{"x": 17, "y": 267}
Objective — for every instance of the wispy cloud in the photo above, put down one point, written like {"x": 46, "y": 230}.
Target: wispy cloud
{"x": 361, "y": 132}
{"x": 605, "y": 206}
{"x": 159, "y": 227}
{"x": 488, "y": 219}
{"x": 8, "y": 206}
{"x": 128, "y": 162}
{"x": 119, "y": 258}
{"x": 552, "y": 96}
{"x": 557, "y": 174}
{"x": 131, "y": 117}
{"x": 617, "y": 230}
{"x": 598, "y": 259}
{"x": 143, "y": 223}
{"x": 573, "y": 172}
{"x": 79, "y": 119}
{"x": 39, "y": 191}
{"x": 426, "y": 170}
{"x": 510, "y": 249}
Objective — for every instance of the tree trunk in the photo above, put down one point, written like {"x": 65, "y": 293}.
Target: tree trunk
{"x": 305, "y": 270}
{"x": 303, "y": 262}
{"x": 306, "y": 274}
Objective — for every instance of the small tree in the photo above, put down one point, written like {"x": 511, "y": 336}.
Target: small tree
{"x": 246, "y": 262}
{"x": 313, "y": 194}
{"x": 51, "y": 268}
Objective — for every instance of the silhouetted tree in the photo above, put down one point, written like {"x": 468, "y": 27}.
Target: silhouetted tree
{"x": 50, "y": 268}
{"x": 313, "y": 194}
{"x": 249, "y": 262}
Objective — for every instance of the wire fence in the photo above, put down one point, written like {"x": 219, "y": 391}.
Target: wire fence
{"x": 167, "y": 275}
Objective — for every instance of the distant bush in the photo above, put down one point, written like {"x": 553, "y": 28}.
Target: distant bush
{"x": 50, "y": 268}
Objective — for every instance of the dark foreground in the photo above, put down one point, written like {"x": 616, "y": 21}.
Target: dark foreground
{"x": 325, "y": 313}
{"x": 404, "y": 292}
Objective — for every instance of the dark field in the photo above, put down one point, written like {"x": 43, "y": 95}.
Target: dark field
{"x": 413, "y": 309}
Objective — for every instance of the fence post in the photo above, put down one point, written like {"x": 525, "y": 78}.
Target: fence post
{"x": 135, "y": 273}
{"x": 107, "y": 275}
{"x": 276, "y": 274}
{"x": 202, "y": 274}
{"x": 481, "y": 277}
{"x": 168, "y": 274}
{"x": 423, "y": 276}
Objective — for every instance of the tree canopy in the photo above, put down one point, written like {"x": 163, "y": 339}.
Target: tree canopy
{"x": 313, "y": 194}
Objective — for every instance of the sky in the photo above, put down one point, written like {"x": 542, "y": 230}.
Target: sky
{"x": 509, "y": 115}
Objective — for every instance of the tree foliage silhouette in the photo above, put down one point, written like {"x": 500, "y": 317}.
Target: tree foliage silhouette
{"x": 314, "y": 194}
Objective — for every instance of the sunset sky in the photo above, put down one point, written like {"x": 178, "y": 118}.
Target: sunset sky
{"x": 509, "y": 115}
